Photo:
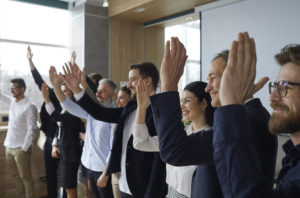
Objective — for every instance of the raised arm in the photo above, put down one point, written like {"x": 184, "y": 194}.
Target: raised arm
{"x": 141, "y": 139}
{"x": 67, "y": 104}
{"x": 72, "y": 80}
{"x": 176, "y": 147}
{"x": 35, "y": 73}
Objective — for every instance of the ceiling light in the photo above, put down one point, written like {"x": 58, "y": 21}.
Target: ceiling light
{"x": 188, "y": 18}
{"x": 105, "y": 3}
{"x": 139, "y": 10}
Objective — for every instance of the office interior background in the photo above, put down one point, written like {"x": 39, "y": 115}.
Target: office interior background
{"x": 109, "y": 35}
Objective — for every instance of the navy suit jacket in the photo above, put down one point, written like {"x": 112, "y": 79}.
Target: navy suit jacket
{"x": 146, "y": 173}
{"x": 179, "y": 149}
{"x": 237, "y": 159}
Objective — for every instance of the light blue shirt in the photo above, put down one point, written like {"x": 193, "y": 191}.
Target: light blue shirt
{"x": 98, "y": 136}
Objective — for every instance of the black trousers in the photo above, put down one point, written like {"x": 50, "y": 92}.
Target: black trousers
{"x": 51, "y": 166}
{"x": 125, "y": 195}
{"x": 105, "y": 192}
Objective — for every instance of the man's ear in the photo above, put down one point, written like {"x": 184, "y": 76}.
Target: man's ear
{"x": 148, "y": 81}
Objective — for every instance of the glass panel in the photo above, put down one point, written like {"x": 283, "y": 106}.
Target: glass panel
{"x": 189, "y": 35}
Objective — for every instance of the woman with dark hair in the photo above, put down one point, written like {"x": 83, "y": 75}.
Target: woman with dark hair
{"x": 197, "y": 110}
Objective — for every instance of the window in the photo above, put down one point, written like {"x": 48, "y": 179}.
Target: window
{"x": 45, "y": 29}
{"x": 189, "y": 34}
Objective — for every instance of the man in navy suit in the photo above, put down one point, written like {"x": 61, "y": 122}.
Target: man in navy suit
{"x": 179, "y": 149}
{"x": 235, "y": 155}
{"x": 142, "y": 173}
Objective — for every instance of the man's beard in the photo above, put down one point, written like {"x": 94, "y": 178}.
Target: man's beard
{"x": 285, "y": 123}
{"x": 105, "y": 102}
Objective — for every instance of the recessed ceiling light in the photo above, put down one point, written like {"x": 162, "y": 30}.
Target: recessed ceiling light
{"x": 139, "y": 10}
{"x": 188, "y": 18}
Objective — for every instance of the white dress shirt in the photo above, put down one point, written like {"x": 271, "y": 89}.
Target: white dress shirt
{"x": 127, "y": 132}
{"x": 179, "y": 178}
{"x": 97, "y": 137}
{"x": 22, "y": 124}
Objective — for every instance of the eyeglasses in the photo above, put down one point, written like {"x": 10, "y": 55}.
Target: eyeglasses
{"x": 281, "y": 86}
{"x": 13, "y": 88}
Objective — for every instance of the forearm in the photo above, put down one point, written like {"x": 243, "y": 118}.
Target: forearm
{"x": 142, "y": 140}
{"x": 74, "y": 109}
{"x": 59, "y": 94}
{"x": 31, "y": 120}
{"x": 31, "y": 65}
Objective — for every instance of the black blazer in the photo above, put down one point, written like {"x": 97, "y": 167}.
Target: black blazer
{"x": 69, "y": 142}
{"x": 146, "y": 173}
{"x": 179, "y": 149}
{"x": 47, "y": 124}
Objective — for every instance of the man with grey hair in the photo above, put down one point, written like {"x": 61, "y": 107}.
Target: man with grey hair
{"x": 98, "y": 134}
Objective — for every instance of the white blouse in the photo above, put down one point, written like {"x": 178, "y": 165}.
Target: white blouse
{"x": 179, "y": 178}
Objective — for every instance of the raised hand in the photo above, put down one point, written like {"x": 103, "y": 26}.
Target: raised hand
{"x": 172, "y": 65}
{"x": 45, "y": 93}
{"x": 237, "y": 84}
{"x": 72, "y": 77}
{"x": 73, "y": 57}
{"x": 142, "y": 95}
{"x": 55, "y": 79}
{"x": 29, "y": 54}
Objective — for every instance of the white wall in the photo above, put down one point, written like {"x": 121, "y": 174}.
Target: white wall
{"x": 273, "y": 24}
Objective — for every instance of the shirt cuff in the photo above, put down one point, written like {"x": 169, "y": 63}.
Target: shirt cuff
{"x": 50, "y": 108}
{"x": 54, "y": 142}
{"x": 79, "y": 95}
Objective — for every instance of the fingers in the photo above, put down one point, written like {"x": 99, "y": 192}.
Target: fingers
{"x": 232, "y": 58}
{"x": 260, "y": 84}
{"x": 173, "y": 47}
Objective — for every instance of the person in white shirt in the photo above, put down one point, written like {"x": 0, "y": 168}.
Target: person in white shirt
{"x": 21, "y": 131}
{"x": 196, "y": 110}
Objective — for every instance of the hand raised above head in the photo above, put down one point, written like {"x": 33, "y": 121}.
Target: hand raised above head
{"x": 172, "y": 65}
{"x": 73, "y": 57}
{"x": 72, "y": 77}
{"x": 29, "y": 54}
{"x": 45, "y": 92}
{"x": 55, "y": 79}
{"x": 237, "y": 83}
{"x": 142, "y": 94}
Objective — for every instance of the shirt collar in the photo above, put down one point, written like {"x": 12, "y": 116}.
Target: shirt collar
{"x": 292, "y": 153}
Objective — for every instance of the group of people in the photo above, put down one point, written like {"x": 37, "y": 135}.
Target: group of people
{"x": 215, "y": 141}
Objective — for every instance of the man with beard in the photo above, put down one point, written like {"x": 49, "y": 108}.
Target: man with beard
{"x": 235, "y": 155}
{"x": 179, "y": 149}
{"x": 143, "y": 174}
{"x": 98, "y": 134}
{"x": 19, "y": 138}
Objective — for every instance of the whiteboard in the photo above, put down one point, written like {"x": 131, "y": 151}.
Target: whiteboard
{"x": 272, "y": 23}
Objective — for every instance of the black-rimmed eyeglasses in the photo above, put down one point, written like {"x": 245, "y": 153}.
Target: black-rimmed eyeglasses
{"x": 281, "y": 86}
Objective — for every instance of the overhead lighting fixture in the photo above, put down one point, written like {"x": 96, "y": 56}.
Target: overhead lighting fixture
{"x": 105, "y": 3}
{"x": 188, "y": 18}
{"x": 139, "y": 10}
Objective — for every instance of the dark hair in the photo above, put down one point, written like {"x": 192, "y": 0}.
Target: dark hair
{"x": 290, "y": 53}
{"x": 126, "y": 90}
{"x": 198, "y": 89}
{"x": 95, "y": 77}
{"x": 19, "y": 81}
{"x": 224, "y": 55}
{"x": 147, "y": 69}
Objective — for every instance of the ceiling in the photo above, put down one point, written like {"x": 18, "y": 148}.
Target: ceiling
{"x": 154, "y": 9}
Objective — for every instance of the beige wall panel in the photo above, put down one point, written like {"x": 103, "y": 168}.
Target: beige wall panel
{"x": 155, "y": 39}
{"x": 126, "y": 47}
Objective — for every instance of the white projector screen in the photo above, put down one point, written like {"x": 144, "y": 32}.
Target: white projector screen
{"x": 273, "y": 24}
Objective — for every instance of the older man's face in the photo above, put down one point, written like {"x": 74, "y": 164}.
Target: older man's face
{"x": 214, "y": 79}
{"x": 286, "y": 109}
